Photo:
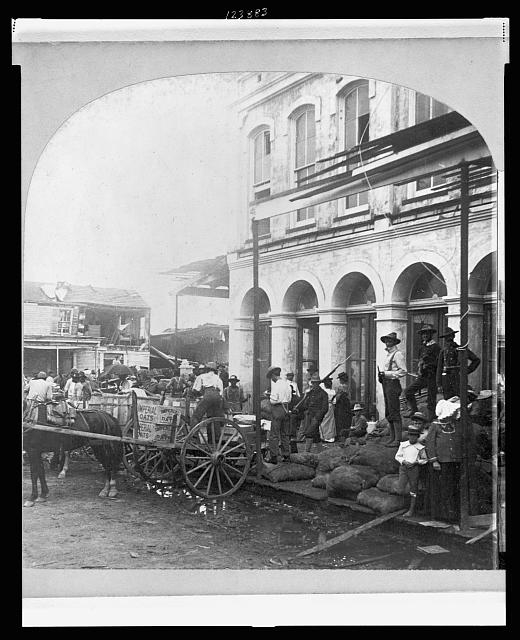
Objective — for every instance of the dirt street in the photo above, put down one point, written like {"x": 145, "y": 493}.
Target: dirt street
{"x": 167, "y": 528}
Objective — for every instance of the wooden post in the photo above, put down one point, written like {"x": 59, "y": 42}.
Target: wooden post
{"x": 57, "y": 361}
{"x": 463, "y": 393}
{"x": 176, "y": 324}
{"x": 256, "y": 350}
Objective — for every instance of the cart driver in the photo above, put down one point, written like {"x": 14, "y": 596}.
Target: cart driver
{"x": 210, "y": 387}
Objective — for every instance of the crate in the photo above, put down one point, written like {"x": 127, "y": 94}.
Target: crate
{"x": 118, "y": 406}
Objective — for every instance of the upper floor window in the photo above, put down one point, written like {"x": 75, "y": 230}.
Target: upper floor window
{"x": 305, "y": 154}
{"x": 65, "y": 321}
{"x": 357, "y": 116}
{"x": 262, "y": 157}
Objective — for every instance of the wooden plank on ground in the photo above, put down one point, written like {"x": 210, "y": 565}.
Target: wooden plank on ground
{"x": 350, "y": 534}
{"x": 343, "y": 502}
{"x": 491, "y": 529}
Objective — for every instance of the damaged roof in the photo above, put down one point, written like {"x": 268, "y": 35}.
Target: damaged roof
{"x": 64, "y": 293}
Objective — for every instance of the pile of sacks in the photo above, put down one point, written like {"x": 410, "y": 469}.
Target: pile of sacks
{"x": 366, "y": 474}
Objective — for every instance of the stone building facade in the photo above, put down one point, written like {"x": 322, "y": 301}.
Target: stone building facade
{"x": 337, "y": 276}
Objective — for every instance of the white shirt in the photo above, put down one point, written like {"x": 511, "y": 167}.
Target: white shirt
{"x": 294, "y": 387}
{"x": 39, "y": 390}
{"x": 411, "y": 453}
{"x": 281, "y": 391}
{"x": 394, "y": 367}
{"x": 210, "y": 379}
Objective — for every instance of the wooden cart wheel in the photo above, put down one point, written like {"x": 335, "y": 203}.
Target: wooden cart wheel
{"x": 149, "y": 463}
{"x": 215, "y": 458}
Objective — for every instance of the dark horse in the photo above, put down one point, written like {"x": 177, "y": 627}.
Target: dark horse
{"x": 108, "y": 453}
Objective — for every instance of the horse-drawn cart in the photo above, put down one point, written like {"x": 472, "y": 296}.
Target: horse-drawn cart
{"x": 214, "y": 457}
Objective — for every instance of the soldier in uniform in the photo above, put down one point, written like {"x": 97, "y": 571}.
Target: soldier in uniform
{"x": 448, "y": 366}
{"x": 315, "y": 405}
{"x": 427, "y": 372}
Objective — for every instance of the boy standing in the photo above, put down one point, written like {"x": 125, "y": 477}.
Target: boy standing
{"x": 411, "y": 455}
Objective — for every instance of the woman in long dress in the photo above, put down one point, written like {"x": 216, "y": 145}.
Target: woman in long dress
{"x": 328, "y": 424}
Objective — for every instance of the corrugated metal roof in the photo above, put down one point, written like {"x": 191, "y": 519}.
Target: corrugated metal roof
{"x": 86, "y": 294}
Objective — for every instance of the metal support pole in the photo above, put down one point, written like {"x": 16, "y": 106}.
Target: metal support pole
{"x": 57, "y": 361}
{"x": 256, "y": 350}
{"x": 463, "y": 394}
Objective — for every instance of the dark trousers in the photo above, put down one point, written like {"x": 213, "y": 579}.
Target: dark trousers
{"x": 312, "y": 425}
{"x": 423, "y": 382}
{"x": 450, "y": 385}
{"x": 410, "y": 476}
{"x": 211, "y": 406}
{"x": 391, "y": 393}
{"x": 279, "y": 434}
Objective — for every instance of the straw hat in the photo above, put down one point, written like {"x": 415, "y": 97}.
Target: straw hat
{"x": 273, "y": 371}
{"x": 357, "y": 407}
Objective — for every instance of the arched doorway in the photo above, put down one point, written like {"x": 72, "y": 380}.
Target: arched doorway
{"x": 265, "y": 342}
{"x": 422, "y": 287}
{"x": 301, "y": 300}
{"x": 482, "y": 287}
{"x": 355, "y": 293}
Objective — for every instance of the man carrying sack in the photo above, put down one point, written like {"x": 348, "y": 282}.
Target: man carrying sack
{"x": 394, "y": 368}
{"x": 280, "y": 398}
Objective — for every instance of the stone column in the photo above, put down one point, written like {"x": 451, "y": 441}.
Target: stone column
{"x": 332, "y": 328}
{"x": 241, "y": 351}
{"x": 389, "y": 317}
{"x": 475, "y": 328}
{"x": 284, "y": 347}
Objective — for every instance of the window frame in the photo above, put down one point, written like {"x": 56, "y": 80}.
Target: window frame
{"x": 264, "y": 182}
{"x": 310, "y": 217}
{"x": 343, "y": 209}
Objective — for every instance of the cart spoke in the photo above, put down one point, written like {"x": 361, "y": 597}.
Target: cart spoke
{"x": 238, "y": 446}
{"x": 202, "y": 476}
{"x": 193, "y": 444}
{"x": 208, "y": 490}
{"x": 219, "y": 484}
{"x": 197, "y": 468}
{"x": 228, "y": 478}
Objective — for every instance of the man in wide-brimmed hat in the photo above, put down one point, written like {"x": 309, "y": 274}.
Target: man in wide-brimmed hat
{"x": 358, "y": 428}
{"x": 426, "y": 373}
{"x": 315, "y": 405}
{"x": 234, "y": 394}
{"x": 448, "y": 365}
{"x": 280, "y": 399}
{"x": 394, "y": 368}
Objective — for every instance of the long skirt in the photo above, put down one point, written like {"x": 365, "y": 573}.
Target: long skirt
{"x": 328, "y": 425}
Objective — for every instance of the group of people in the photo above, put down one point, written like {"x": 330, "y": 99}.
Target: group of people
{"x": 77, "y": 387}
{"x": 321, "y": 414}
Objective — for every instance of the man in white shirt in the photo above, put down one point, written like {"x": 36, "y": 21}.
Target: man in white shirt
{"x": 394, "y": 368}
{"x": 280, "y": 399}
{"x": 40, "y": 392}
{"x": 210, "y": 386}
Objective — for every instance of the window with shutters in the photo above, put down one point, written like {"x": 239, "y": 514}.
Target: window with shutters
{"x": 304, "y": 155}
{"x": 65, "y": 322}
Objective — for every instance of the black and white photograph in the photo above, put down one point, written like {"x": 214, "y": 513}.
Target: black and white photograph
{"x": 263, "y": 309}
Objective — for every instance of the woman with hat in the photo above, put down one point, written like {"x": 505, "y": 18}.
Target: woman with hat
{"x": 280, "y": 399}
{"x": 411, "y": 455}
{"x": 427, "y": 373}
{"x": 394, "y": 368}
{"x": 342, "y": 407}
{"x": 234, "y": 395}
{"x": 448, "y": 365}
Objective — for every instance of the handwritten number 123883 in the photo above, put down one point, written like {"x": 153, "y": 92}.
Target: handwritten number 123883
{"x": 246, "y": 13}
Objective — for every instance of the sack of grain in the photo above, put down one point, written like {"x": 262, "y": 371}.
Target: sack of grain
{"x": 331, "y": 458}
{"x": 378, "y": 457}
{"x": 320, "y": 482}
{"x": 390, "y": 483}
{"x": 289, "y": 471}
{"x": 307, "y": 458}
{"x": 348, "y": 480}
{"x": 380, "y": 501}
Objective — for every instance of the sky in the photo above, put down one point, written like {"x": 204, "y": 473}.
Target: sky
{"x": 135, "y": 183}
